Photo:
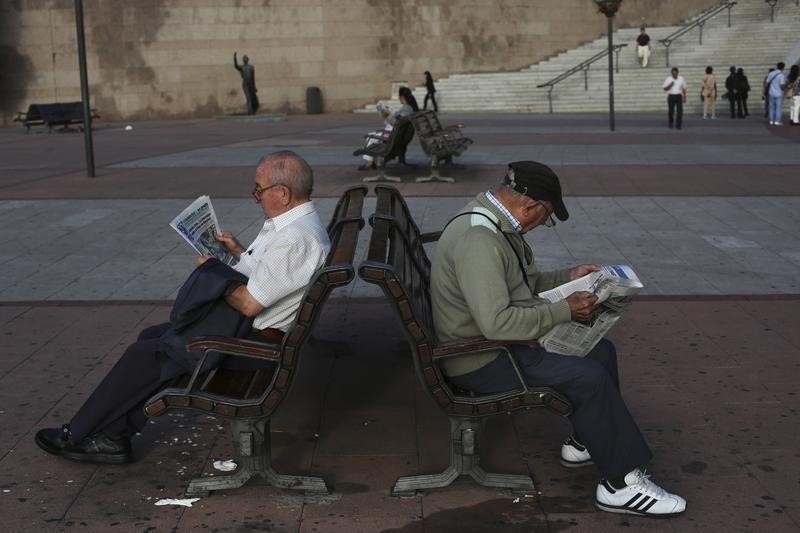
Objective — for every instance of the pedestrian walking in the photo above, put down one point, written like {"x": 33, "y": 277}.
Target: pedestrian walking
{"x": 675, "y": 87}
{"x": 709, "y": 93}
{"x": 774, "y": 85}
{"x": 430, "y": 92}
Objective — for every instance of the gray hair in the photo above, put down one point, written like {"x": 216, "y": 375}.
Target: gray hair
{"x": 289, "y": 169}
{"x": 509, "y": 190}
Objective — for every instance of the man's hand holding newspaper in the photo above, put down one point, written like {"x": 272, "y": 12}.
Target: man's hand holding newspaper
{"x": 199, "y": 226}
{"x": 613, "y": 287}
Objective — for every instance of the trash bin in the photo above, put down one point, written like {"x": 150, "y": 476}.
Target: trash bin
{"x": 313, "y": 101}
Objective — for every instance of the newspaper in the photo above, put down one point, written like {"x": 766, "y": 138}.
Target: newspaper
{"x": 615, "y": 286}
{"x": 383, "y": 108}
{"x": 198, "y": 225}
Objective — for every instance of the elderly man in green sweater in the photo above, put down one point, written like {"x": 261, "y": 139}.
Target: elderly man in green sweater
{"x": 484, "y": 282}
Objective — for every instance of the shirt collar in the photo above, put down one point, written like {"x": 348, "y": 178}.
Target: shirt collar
{"x": 284, "y": 219}
{"x": 500, "y": 207}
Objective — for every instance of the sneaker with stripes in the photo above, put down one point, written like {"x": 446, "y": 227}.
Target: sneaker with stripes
{"x": 574, "y": 454}
{"x": 640, "y": 497}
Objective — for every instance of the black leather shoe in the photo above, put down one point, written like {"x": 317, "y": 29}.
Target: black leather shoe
{"x": 100, "y": 448}
{"x": 54, "y": 440}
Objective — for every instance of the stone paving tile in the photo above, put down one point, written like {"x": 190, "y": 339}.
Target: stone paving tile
{"x": 706, "y": 417}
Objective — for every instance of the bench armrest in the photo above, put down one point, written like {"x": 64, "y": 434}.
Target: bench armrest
{"x": 21, "y": 116}
{"x": 432, "y": 236}
{"x": 474, "y": 344}
{"x": 234, "y": 346}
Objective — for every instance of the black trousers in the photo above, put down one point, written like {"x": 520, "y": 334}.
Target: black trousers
{"x": 600, "y": 419}
{"x": 675, "y": 101}
{"x": 116, "y": 406}
{"x": 432, "y": 97}
{"x": 741, "y": 105}
{"x": 732, "y": 101}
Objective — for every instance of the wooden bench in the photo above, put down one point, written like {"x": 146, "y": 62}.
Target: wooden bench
{"x": 438, "y": 143}
{"x": 398, "y": 263}
{"x": 386, "y": 149}
{"x": 256, "y": 376}
{"x": 51, "y": 115}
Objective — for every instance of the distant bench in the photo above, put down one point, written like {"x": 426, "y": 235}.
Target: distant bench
{"x": 60, "y": 114}
{"x": 439, "y": 143}
{"x": 387, "y": 148}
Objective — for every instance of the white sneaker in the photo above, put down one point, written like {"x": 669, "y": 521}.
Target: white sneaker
{"x": 641, "y": 497}
{"x": 779, "y": 123}
{"x": 771, "y": 123}
{"x": 574, "y": 454}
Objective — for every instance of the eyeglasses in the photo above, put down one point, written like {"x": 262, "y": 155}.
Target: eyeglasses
{"x": 549, "y": 221}
{"x": 258, "y": 190}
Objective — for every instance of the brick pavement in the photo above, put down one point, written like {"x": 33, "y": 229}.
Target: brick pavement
{"x": 708, "y": 365}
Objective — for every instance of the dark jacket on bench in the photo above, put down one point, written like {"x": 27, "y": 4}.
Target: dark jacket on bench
{"x": 200, "y": 309}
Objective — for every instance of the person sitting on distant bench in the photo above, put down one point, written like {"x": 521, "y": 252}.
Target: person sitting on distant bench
{"x": 409, "y": 106}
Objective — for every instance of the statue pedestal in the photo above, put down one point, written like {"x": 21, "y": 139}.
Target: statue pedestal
{"x": 258, "y": 117}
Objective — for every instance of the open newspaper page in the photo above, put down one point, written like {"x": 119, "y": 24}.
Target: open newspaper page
{"x": 615, "y": 286}
{"x": 198, "y": 225}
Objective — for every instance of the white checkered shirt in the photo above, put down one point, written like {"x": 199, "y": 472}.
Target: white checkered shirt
{"x": 281, "y": 261}
{"x": 495, "y": 202}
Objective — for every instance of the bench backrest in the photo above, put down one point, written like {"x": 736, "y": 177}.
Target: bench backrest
{"x": 61, "y": 113}
{"x": 33, "y": 114}
{"x": 256, "y": 393}
{"x": 397, "y": 142}
{"x": 402, "y": 134}
{"x": 425, "y": 126}
{"x": 398, "y": 263}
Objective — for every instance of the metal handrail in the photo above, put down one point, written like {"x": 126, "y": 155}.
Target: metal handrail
{"x": 584, "y": 66}
{"x": 772, "y": 8}
{"x": 700, "y": 22}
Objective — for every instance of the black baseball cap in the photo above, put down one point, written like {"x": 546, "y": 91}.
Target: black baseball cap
{"x": 539, "y": 182}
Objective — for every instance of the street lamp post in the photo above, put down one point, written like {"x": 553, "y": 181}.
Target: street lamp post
{"x": 608, "y": 8}
{"x": 87, "y": 112}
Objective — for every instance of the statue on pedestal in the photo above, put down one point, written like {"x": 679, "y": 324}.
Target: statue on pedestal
{"x": 248, "y": 73}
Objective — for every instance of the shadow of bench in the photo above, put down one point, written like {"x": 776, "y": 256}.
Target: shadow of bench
{"x": 51, "y": 115}
{"x": 256, "y": 376}
{"x": 398, "y": 263}
{"x": 439, "y": 144}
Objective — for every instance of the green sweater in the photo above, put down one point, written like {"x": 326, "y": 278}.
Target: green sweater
{"x": 477, "y": 286}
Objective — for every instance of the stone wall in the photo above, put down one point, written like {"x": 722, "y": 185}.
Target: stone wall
{"x": 173, "y": 58}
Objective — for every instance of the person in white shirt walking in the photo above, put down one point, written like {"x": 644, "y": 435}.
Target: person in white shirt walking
{"x": 675, "y": 87}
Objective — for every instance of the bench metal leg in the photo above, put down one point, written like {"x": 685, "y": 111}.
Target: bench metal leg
{"x": 463, "y": 461}
{"x": 435, "y": 176}
{"x": 381, "y": 165}
{"x": 254, "y": 458}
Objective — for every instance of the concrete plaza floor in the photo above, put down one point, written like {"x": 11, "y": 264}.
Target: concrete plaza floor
{"x": 708, "y": 216}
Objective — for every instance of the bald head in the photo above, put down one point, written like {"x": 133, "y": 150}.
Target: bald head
{"x": 288, "y": 169}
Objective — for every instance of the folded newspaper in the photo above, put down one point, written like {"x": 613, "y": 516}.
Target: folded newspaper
{"x": 615, "y": 286}
{"x": 198, "y": 225}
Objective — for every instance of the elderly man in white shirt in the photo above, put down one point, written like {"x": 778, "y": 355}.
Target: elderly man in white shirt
{"x": 675, "y": 87}
{"x": 279, "y": 265}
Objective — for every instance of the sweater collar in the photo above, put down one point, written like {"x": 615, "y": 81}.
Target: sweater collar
{"x": 508, "y": 223}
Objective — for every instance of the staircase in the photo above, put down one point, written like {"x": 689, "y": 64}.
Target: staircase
{"x": 752, "y": 43}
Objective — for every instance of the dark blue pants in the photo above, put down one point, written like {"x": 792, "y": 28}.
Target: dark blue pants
{"x": 675, "y": 107}
{"x": 116, "y": 405}
{"x": 600, "y": 419}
